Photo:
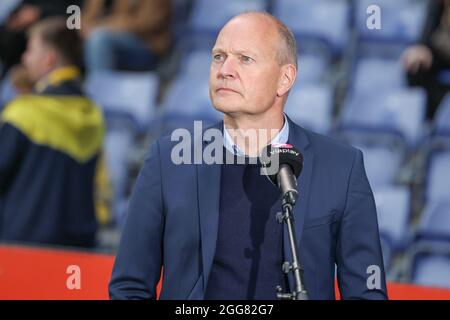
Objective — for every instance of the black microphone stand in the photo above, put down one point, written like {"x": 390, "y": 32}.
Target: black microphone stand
{"x": 299, "y": 292}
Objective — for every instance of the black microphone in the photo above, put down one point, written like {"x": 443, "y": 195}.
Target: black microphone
{"x": 285, "y": 164}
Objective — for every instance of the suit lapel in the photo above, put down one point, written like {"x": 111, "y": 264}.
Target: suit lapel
{"x": 208, "y": 181}
{"x": 299, "y": 140}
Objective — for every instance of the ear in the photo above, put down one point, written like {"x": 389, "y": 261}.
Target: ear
{"x": 287, "y": 79}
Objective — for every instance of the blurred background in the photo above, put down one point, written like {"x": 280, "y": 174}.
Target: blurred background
{"x": 384, "y": 91}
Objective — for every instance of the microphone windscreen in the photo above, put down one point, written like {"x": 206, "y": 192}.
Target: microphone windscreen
{"x": 287, "y": 154}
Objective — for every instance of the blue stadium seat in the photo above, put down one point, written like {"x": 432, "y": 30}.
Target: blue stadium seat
{"x": 131, "y": 94}
{"x": 401, "y": 20}
{"x": 311, "y": 107}
{"x": 398, "y": 112}
{"x": 393, "y": 209}
{"x": 441, "y": 126}
{"x": 180, "y": 16}
{"x": 376, "y": 75}
{"x": 117, "y": 146}
{"x": 128, "y": 101}
{"x": 382, "y": 164}
{"x": 435, "y": 221}
{"x": 209, "y": 16}
{"x": 187, "y": 100}
{"x": 196, "y": 65}
{"x": 430, "y": 253}
{"x": 6, "y": 7}
{"x": 187, "y": 97}
{"x": 312, "y": 69}
{"x": 438, "y": 177}
{"x": 323, "y": 20}
{"x": 432, "y": 270}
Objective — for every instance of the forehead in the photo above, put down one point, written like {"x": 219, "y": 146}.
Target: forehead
{"x": 248, "y": 33}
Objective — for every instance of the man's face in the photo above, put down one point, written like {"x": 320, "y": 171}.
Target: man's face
{"x": 37, "y": 58}
{"x": 245, "y": 72}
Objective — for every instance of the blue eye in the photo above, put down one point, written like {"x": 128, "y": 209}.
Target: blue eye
{"x": 246, "y": 59}
{"x": 218, "y": 57}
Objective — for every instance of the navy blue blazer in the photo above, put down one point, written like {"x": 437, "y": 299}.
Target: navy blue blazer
{"x": 173, "y": 220}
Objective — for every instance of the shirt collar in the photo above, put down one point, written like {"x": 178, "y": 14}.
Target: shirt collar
{"x": 281, "y": 138}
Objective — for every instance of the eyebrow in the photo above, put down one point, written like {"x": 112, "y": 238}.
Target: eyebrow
{"x": 240, "y": 52}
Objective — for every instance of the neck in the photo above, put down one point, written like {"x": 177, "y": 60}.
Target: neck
{"x": 251, "y": 133}
{"x": 57, "y": 75}
{"x": 52, "y": 69}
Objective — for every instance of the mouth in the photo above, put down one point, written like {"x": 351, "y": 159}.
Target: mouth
{"x": 226, "y": 90}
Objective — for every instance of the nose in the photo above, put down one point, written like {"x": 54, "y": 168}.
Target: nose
{"x": 228, "y": 68}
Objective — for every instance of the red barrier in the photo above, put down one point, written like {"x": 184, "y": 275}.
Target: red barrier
{"x": 41, "y": 274}
{"x": 31, "y": 273}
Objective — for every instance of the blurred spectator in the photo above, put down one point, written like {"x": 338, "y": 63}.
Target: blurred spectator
{"x": 50, "y": 142}
{"x": 125, "y": 34}
{"x": 431, "y": 55}
{"x": 27, "y": 12}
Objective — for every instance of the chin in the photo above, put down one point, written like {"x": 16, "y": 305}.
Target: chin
{"x": 227, "y": 104}
{"x": 226, "y": 107}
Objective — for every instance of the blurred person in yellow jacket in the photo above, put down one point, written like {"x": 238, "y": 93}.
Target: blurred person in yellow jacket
{"x": 50, "y": 145}
{"x": 18, "y": 17}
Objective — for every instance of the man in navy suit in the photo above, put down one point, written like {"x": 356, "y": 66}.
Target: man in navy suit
{"x": 212, "y": 227}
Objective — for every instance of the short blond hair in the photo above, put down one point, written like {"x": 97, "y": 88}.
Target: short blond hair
{"x": 55, "y": 34}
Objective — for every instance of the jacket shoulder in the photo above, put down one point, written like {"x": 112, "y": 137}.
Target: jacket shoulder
{"x": 187, "y": 138}
{"x": 329, "y": 146}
